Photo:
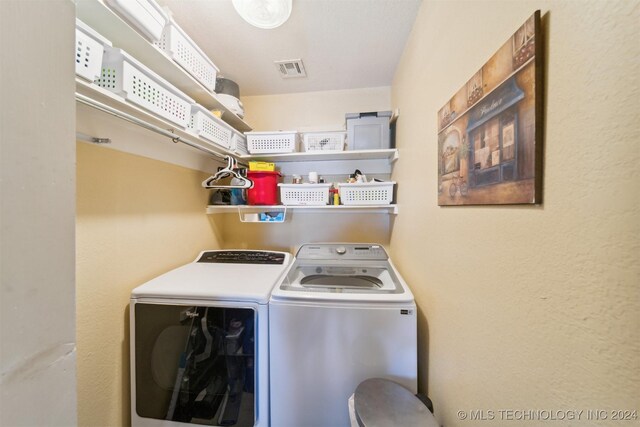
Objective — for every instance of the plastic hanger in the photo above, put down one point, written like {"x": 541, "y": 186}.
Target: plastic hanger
{"x": 226, "y": 172}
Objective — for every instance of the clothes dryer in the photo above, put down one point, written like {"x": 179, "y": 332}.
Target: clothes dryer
{"x": 341, "y": 314}
{"x": 199, "y": 341}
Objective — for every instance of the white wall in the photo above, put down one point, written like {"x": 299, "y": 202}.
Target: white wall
{"x": 527, "y": 307}
{"x": 37, "y": 214}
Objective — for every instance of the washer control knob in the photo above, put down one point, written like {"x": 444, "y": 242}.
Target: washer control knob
{"x": 341, "y": 250}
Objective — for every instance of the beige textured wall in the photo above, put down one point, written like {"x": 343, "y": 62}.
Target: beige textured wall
{"x": 136, "y": 219}
{"x": 303, "y": 227}
{"x": 312, "y": 110}
{"x": 528, "y": 307}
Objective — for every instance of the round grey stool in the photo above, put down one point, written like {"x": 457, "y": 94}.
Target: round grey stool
{"x": 382, "y": 403}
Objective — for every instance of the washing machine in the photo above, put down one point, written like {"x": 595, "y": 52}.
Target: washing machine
{"x": 341, "y": 314}
{"x": 199, "y": 341}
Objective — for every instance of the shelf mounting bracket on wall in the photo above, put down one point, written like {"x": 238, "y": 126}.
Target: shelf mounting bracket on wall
{"x": 92, "y": 139}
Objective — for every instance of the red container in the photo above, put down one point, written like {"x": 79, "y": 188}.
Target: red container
{"x": 265, "y": 188}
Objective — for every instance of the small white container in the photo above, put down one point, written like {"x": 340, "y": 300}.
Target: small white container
{"x": 324, "y": 141}
{"x": 90, "y": 47}
{"x": 238, "y": 143}
{"x": 125, "y": 76}
{"x": 366, "y": 193}
{"x": 272, "y": 142}
{"x": 262, "y": 215}
{"x": 304, "y": 194}
{"x": 209, "y": 127}
{"x": 186, "y": 53}
{"x": 146, "y": 16}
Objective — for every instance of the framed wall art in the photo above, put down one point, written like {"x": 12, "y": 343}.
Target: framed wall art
{"x": 490, "y": 131}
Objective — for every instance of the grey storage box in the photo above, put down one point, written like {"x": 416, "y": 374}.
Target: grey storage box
{"x": 368, "y": 131}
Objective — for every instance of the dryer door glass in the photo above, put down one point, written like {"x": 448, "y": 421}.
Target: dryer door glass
{"x": 195, "y": 364}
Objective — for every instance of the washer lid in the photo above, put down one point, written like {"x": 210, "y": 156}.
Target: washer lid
{"x": 327, "y": 277}
{"x": 364, "y": 281}
{"x": 355, "y": 272}
{"x": 220, "y": 275}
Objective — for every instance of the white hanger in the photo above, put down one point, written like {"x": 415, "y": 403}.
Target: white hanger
{"x": 226, "y": 172}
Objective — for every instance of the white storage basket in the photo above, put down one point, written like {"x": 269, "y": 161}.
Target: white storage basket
{"x": 128, "y": 78}
{"x": 209, "y": 127}
{"x": 146, "y": 16}
{"x": 369, "y": 193}
{"x": 90, "y": 47}
{"x": 272, "y": 142}
{"x": 304, "y": 194}
{"x": 238, "y": 143}
{"x": 324, "y": 141}
{"x": 184, "y": 51}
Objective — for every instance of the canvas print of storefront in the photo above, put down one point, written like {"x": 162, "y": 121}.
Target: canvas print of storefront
{"x": 489, "y": 133}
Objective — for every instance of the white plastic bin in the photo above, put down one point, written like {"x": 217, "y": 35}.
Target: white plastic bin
{"x": 366, "y": 193}
{"x": 90, "y": 47}
{"x": 324, "y": 141}
{"x": 272, "y": 142}
{"x": 127, "y": 77}
{"x": 186, "y": 53}
{"x": 209, "y": 127}
{"x": 146, "y": 16}
{"x": 238, "y": 143}
{"x": 304, "y": 194}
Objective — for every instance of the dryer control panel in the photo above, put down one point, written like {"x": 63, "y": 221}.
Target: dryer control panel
{"x": 346, "y": 251}
{"x": 242, "y": 257}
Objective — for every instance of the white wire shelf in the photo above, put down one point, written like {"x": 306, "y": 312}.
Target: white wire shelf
{"x": 118, "y": 103}
{"x": 331, "y": 209}
{"x": 98, "y": 16}
{"x": 310, "y": 156}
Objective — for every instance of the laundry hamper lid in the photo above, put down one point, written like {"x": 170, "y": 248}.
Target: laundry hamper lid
{"x": 379, "y": 403}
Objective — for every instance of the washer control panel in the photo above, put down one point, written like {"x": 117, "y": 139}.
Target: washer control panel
{"x": 351, "y": 251}
{"x": 242, "y": 257}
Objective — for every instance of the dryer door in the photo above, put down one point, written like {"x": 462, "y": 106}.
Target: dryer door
{"x": 193, "y": 364}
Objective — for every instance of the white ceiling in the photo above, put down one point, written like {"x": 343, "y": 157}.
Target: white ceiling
{"x": 344, "y": 44}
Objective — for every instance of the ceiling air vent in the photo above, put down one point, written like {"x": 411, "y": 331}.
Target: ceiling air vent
{"x": 291, "y": 68}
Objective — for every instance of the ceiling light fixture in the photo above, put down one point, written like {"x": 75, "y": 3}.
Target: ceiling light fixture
{"x": 265, "y": 14}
